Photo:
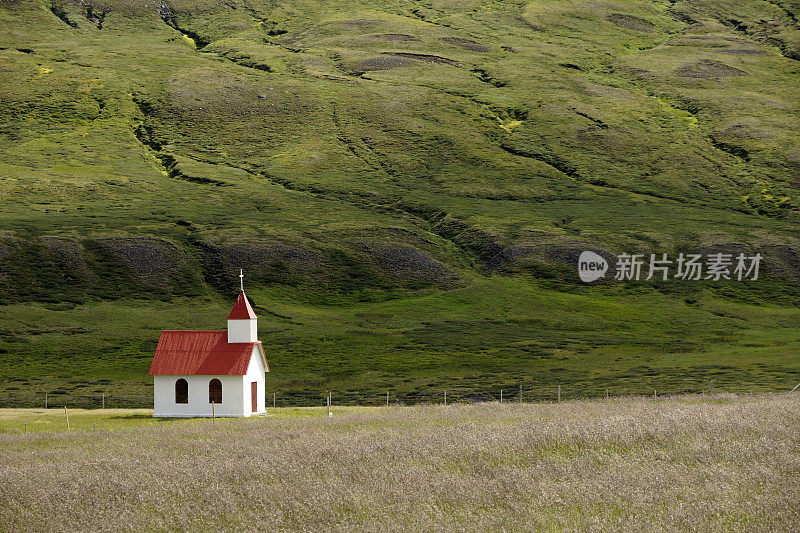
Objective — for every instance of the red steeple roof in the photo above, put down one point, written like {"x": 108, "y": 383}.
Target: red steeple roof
{"x": 241, "y": 309}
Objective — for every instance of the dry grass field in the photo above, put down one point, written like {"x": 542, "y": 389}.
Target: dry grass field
{"x": 721, "y": 463}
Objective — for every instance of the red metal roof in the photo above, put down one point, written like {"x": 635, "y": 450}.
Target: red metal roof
{"x": 204, "y": 353}
{"x": 241, "y": 309}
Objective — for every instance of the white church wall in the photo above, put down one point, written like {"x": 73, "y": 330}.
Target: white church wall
{"x": 255, "y": 372}
{"x": 242, "y": 330}
{"x": 198, "y": 404}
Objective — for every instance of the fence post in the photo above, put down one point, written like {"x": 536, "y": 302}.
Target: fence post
{"x": 501, "y": 395}
{"x": 711, "y": 390}
{"x": 387, "y": 398}
{"x": 520, "y": 393}
{"x": 445, "y": 397}
{"x": 654, "y": 394}
{"x": 559, "y": 393}
{"x": 273, "y": 400}
{"x": 45, "y": 400}
{"x": 213, "y": 414}
{"x": 67, "y": 417}
{"x": 104, "y": 400}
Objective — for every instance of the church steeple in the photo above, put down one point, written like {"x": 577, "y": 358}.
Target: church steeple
{"x": 242, "y": 321}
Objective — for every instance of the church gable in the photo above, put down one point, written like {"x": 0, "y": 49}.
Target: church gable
{"x": 258, "y": 357}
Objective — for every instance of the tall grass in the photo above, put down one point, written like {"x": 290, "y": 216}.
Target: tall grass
{"x": 628, "y": 464}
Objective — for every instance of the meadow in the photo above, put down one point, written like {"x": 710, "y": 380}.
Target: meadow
{"x": 497, "y": 333}
{"x": 719, "y": 463}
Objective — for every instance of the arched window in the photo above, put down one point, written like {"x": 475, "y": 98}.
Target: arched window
{"x": 181, "y": 391}
{"x": 215, "y": 391}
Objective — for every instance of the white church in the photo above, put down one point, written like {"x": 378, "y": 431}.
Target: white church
{"x": 200, "y": 373}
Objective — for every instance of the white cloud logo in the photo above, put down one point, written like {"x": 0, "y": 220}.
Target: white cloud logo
{"x": 591, "y": 266}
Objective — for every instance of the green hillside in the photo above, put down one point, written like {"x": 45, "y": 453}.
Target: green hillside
{"x": 407, "y": 186}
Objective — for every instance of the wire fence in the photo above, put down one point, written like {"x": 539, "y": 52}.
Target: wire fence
{"x": 75, "y": 401}
{"x": 351, "y": 397}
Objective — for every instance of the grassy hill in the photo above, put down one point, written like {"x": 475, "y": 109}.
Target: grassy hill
{"x": 407, "y": 185}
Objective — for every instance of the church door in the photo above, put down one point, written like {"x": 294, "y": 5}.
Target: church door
{"x": 254, "y": 395}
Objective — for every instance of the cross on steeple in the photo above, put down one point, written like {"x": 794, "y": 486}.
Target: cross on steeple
{"x": 241, "y": 280}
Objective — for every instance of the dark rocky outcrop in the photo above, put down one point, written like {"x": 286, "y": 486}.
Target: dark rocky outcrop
{"x": 631, "y": 22}
{"x": 264, "y": 262}
{"x": 71, "y": 254}
{"x": 408, "y": 265}
{"x": 152, "y": 261}
{"x": 707, "y": 68}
